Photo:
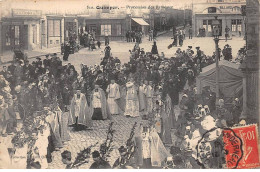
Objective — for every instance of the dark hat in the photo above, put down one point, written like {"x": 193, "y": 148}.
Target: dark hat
{"x": 35, "y": 165}
{"x": 95, "y": 154}
{"x": 122, "y": 149}
{"x": 38, "y": 58}
{"x": 66, "y": 155}
{"x": 197, "y": 47}
{"x": 145, "y": 129}
{"x": 189, "y": 46}
{"x": 98, "y": 82}
{"x": 54, "y": 54}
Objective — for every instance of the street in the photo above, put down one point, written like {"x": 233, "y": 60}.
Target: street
{"x": 121, "y": 49}
{"x": 123, "y": 125}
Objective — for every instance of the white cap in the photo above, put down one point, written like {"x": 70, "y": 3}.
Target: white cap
{"x": 188, "y": 128}
{"x": 184, "y": 95}
{"x": 169, "y": 158}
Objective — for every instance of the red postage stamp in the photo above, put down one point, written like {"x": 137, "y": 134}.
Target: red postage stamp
{"x": 241, "y": 145}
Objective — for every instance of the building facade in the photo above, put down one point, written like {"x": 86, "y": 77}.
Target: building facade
{"x": 228, "y": 13}
{"x": 29, "y": 25}
{"x": 21, "y": 29}
{"x": 250, "y": 65}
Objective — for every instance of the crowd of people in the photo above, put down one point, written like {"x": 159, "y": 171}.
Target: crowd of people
{"x": 134, "y": 36}
{"x": 148, "y": 86}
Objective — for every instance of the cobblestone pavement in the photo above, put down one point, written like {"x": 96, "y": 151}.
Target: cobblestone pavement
{"x": 83, "y": 139}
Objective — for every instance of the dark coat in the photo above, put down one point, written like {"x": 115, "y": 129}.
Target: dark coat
{"x": 100, "y": 164}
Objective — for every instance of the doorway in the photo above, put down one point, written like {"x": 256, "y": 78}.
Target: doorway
{"x": 15, "y": 37}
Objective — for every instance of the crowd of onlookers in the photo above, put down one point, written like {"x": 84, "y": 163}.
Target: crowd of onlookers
{"x": 45, "y": 82}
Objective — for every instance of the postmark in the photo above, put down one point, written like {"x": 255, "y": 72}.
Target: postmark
{"x": 233, "y": 148}
{"x": 210, "y": 149}
{"x": 219, "y": 148}
{"x": 249, "y": 137}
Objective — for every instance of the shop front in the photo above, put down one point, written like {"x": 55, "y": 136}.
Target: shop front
{"x": 235, "y": 23}
{"x": 139, "y": 24}
{"x": 71, "y": 29}
{"x": 55, "y": 31}
{"x": 21, "y": 30}
{"x": 114, "y": 28}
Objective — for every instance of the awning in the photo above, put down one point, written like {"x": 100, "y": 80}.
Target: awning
{"x": 140, "y": 21}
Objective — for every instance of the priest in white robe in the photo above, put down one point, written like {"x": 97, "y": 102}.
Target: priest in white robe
{"x": 113, "y": 96}
{"x": 79, "y": 112}
{"x": 132, "y": 103}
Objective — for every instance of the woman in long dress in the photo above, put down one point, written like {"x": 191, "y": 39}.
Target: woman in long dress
{"x": 132, "y": 103}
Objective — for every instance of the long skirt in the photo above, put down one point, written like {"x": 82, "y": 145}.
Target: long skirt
{"x": 113, "y": 106}
{"x": 149, "y": 109}
{"x": 132, "y": 108}
{"x": 97, "y": 115}
{"x": 122, "y": 101}
{"x": 66, "y": 56}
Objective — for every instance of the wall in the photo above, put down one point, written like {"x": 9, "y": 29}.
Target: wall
{"x": 1, "y": 48}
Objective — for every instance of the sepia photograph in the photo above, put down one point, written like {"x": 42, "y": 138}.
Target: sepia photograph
{"x": 129, "y": 84}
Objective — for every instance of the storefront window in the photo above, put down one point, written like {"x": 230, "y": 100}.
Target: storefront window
{"x": 205, "y": 24}
{"x": 118, "y": 29}
{"x": 54, "y": 28}
{"x": 209, "y": 25}
{"x": 239, "y": 25}
{"x": 8, "y": 37}
{"x": 233, "y": 25}
{"x": 16, "y": 35}
{"x": 34, "y": 33}
{"x": 105, "y": 29}
{"x": 236, "y": 25}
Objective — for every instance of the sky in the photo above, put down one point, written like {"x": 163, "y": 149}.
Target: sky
{"x": 175, "y": 3}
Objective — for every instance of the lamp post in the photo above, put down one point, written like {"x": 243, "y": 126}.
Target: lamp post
{"x": 130, "y": 16}
{"x": 216, "y": 31}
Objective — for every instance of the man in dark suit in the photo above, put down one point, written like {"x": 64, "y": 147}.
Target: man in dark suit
{"x": 199, "y": 57}
{"x": 47, "y": 61}
{"x": 190, "y": 33}
{"x": 4, "y": 71}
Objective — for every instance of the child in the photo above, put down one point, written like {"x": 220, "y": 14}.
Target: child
{"x": 98, "y": 44}
{"x": 66, "y": 159}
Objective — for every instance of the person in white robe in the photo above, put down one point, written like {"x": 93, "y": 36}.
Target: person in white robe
{"x": 5, "y": 160}
{"x": 149, "y": 93}
{"x": 98, "y": 108}
{"x": 153, "y": 151}
{"x": 132, "y": 103}
{"x": 113, "y": 96}
{"x": 142, "y": 99}
{"x": 80, "y": 115}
